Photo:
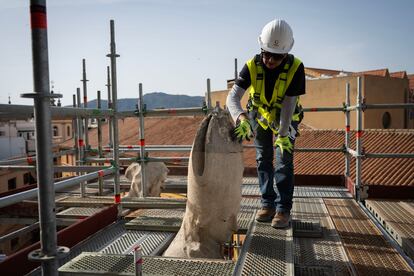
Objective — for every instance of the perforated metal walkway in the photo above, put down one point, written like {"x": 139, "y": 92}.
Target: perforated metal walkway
{"x": 367, "y": 249}
{"x": 107, "y": 264}
{"x": 397, "y": 217}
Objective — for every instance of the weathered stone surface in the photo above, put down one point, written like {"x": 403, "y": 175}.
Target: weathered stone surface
{"x": 156, "y": 174}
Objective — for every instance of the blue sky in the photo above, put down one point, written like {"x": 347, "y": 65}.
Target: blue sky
{"x": 173, "y": 46}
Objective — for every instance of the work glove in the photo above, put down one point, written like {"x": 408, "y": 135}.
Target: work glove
{"x": 243, "y": 130}
{"x": 283, "y": 142}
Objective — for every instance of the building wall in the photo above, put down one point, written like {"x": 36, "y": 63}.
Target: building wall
{"x": 61, "y": 130}
{"x": 328, "y": 93}
{"x": 379, "y": 90}
{"x": 5, "y": 176}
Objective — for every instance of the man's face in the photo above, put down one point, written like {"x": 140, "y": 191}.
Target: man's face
{"x": 271, "y": 60}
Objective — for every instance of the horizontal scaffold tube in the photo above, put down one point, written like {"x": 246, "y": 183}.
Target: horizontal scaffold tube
{"x": 319, "y": 149}
{"x": 323, "y": 109}
{"x": 381, "y": 106}
{"x": 30, "y": 159}
{"x": 389, "y": 155}
{"x": 16, "y": 198}
{"x": 56, "y": 168}
{"x": 9, "y": 111}
{"x": 165, "y": 112}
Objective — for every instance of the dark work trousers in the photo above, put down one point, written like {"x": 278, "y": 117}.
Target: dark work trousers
{"x": 276, "y": 183}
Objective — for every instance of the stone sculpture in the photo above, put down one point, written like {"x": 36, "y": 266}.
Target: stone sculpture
{"x": 156, "y": 174}
{"x": 215, "y": 174}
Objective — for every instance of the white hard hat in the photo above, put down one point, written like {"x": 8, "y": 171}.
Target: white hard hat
{"x": 276, "y": 37}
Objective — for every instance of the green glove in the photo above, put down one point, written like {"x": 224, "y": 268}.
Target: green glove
{"x": 243, "y": 130}
{"x": 284, "y": 144}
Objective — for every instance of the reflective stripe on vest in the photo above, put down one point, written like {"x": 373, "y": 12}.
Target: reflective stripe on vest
{"x": 268, "y": 112}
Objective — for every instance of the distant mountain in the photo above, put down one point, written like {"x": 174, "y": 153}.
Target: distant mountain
{"x": 155, "y": 100}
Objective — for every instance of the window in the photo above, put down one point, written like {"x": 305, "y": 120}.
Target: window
{"x": 386, "y": 120}
{"x": 12, "y": 183}
{"x": 68, "y": 132}
{"x": 2, "y": 133}
{"x": 55, "y": 131}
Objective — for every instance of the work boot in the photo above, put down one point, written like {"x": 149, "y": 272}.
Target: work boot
{"x": 265, "y": 214}
{"x": 281, "y": 220}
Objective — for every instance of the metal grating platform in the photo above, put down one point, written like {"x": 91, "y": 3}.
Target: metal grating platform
{"x": 329, "y": 192}
{"x": 304, "y": 191}
{"x": 153, "y": 203}
{"x": 325, "y": 251}
{"x": 76, "y": 201}
{"x": 152, "y": 243}
{"x": 301, "y": 270}
{"x": 157, "y": 220}
{"x": 306, "y": 228}
{"x": 250, "y": 181}
{"x": 78, "y": 212}
{"x": 103, "y": 264}
{"x": 398, "y": 219}
{"x": 170, "y": 220}
{"x": 367, "y": 249}
{"x": 267, "y": 251}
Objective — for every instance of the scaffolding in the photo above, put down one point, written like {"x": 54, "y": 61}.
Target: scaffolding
{"x": 43, "y": 114}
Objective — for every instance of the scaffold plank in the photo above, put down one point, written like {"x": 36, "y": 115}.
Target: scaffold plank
{"x": 367, "y": 249}
{"x": 266, "y": 251}
{"x": 397, "y": 218}
{"x": 304, "y": 191}
{"x": 110, "y": 264}
{"x": 320, "y": 254}
{"x": 78, "y": 212}
{"x": 152, "y": 243}
{"x": 89, "y": 201}
{"x": 170, "y": 220}
{"x": 153, "y": 203}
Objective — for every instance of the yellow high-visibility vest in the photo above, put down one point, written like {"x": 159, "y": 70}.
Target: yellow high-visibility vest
{"x": 269, "y": 112}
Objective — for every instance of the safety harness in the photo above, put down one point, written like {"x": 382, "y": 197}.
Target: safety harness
{"x": 268, "y": 113}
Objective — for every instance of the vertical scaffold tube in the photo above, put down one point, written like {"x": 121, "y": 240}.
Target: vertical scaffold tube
{"x": 142, "y": 140}
{"x": 235, "y": 69}
{"x": 347, "y": 129}
{"x": 81, "y": 144}
{"x": 358, "y": 137}
{"x": 75, "y": 134}
{"x": 46, "y": 192}
{"x": 85, "y": 102}
{"x": 100, "y": 179}
{"x": 208, "y": 94}
{"x": 115, "y": 135}
{"x": 108, "y": 86}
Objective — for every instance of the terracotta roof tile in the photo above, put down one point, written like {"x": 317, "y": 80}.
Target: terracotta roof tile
{"x": 379, "y": 72}
{"x": 318, "y": 72}
{"x": 399, "y": 74}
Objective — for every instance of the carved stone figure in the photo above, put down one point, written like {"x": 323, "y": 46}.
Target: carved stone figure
{"x": 215, "y": 174}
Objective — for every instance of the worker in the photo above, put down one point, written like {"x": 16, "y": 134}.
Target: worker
{"x": 275, "y": 80}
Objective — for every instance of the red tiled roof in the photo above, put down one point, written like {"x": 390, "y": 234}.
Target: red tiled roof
{"x": 399, "y": 74}
{"x": 379, "y": 72}
{"x": 380, "y": 171}
{"x": 317, "y": 72}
